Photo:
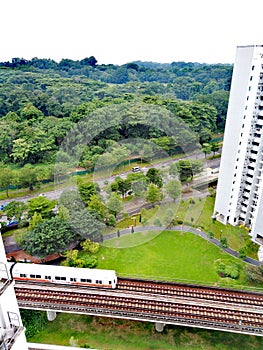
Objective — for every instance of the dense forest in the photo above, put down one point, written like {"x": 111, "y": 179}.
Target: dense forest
{"x": 42, "y": 100}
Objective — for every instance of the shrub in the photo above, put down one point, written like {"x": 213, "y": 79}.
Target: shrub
{"x": 33, "y": 321}
{"x": 157, "y": 222}
{"x": 210, "y": 234}
{"x": 223, "y": 243}
{"x": 111, "y": 220}
{"x": 232, "y": 271}
{"x": 228, "y": 270}
{"x": 144, "y": 221}
{"x": 253, "y": 274}
{"x": 191, "y": 200}
{"x": 242, "y": 253}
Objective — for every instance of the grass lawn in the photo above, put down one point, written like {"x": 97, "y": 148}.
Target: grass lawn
{"x": 131, "y": 240}
{"x": 114, "y": 334}
{"x": 199, "y": 214}
{"x": 169, "y": 255}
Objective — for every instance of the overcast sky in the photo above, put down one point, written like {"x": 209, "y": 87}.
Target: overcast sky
{"x": 121, "y": 31}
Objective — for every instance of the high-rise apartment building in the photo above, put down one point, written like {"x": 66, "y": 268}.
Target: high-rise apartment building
{"x": 239, "y": 197}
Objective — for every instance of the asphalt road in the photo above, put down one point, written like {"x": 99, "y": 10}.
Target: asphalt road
{"x": 55, "y": 194}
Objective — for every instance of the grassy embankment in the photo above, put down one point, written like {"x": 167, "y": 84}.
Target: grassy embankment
{"x": 113, "y": 334}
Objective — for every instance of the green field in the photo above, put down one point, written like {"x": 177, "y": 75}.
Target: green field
{"x": 114, "y": 334}
{"x": 169, "y": 255}
{"x": 199, "y": 215}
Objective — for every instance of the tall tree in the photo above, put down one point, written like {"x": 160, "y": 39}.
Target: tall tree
{"x": 41, "y": 205}
{"x": 206, "y": 148}
{"x": 28, "y": 177}
{"x": 85, "y": 225}
{"x": 185, "y": 170}
{"x": 153, "y": 176}
{"x": 15, "y": 210}
{"x": 49, "y": 237}
{"x": 86, "y": 190}
{"x": 174, "y": 189}
{"x": 6, "y": 179}
{"x": 96, "y": 207}
{"x": 154, "y": 194}
{"x": 114, "y": 204}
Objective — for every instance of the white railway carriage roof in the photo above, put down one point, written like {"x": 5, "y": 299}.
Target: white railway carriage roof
{"x": 63, "y": 271}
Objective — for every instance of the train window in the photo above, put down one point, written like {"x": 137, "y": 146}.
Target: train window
{"x": 33, "y": 276}
{"x": 109, "y": 282}
{"x": 63, "y": 279}
{"x": 57, "y": 278}
{"x": 89, "y": 281}
{"x": 48, "y": 277}
{"x": 98, "y": 281}
{"x": 38, "y": 276}
{"x": 83, "y": 280}
{"x": 23, "y": 275}
{"x": 73, "y": 279}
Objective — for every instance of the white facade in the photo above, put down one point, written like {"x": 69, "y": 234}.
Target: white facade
{"x": 12, "y": 334}
{"x": 239, "y": 191}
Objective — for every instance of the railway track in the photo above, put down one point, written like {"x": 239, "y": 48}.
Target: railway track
{"x": 136, "y": 301}
{"x": 190, "y": 291}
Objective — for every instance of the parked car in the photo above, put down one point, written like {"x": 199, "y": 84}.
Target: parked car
{"x": 12, "y": 223}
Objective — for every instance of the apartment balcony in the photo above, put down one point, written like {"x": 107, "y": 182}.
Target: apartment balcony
{"x": 251, "y": 172}
{"x": 245, "y": 202}
{"x": 242, "y": 215}
{"x": 244, "y": 210}
{"x": 259, "y": 240}
{"x": 253, "y": 156}
{"x": 260, "y": 121}
{"x": 4, "y": 277}
{"x": 255, "y": 148}
{"x": 248, "y": 187}
{"x": 8, "y": 337}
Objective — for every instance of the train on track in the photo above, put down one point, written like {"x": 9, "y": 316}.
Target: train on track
{"x": 63, "y": 275}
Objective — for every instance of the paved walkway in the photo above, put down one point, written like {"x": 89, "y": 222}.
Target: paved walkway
{"x": 184, "y": 228}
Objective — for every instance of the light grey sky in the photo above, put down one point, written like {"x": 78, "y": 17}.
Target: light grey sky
{"x": 121, "y": 31}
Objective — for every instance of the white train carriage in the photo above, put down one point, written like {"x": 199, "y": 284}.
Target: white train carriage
{"x": 64, "y": 275}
